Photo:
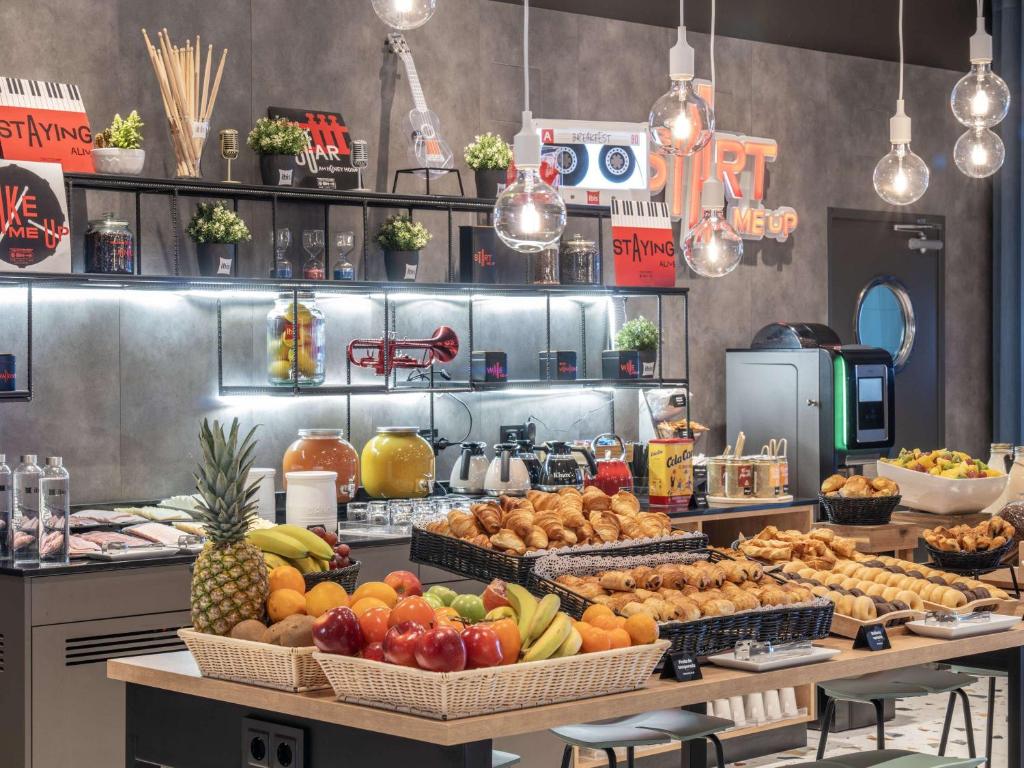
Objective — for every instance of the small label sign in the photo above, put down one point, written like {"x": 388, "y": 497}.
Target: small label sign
{"x": 680, "y": 667}
{"x": 873, "y": 637}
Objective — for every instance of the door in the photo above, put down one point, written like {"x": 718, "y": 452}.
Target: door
{"x": 885, "y": 288}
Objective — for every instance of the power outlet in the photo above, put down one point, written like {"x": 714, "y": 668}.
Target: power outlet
{"x": 509, "y": 433}
{"x": 269, "y": 745}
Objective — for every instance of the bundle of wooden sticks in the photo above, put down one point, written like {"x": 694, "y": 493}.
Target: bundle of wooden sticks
{"x": 187, "y": 95}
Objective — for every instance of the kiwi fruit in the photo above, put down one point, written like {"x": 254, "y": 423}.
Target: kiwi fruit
{"x": 295, "y": 631}
{"x": 250, "y": 629}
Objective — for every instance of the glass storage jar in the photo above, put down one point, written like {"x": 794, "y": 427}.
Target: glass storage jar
{"x": 579, "y": 262}
{"x": 282, "y": 350}
{"x": 109, "y": 246}
{"x": 397, "y": 463}
{"x": 326, "y": 450}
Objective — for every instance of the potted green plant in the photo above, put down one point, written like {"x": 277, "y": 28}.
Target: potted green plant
{"x": 489, "y": 156}
{"x": 119, "y": 146}
{"x": 640, "y": 335}
{"x": 277, "y": 140}
{"x": 402, "y": 239}
{"x": 216, "y": 231}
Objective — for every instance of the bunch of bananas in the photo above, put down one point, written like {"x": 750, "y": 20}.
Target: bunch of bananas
{"x": 292, "y": 545}
{"x": 545, "y": 631}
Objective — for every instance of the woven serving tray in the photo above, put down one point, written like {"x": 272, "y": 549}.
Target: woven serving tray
{"x": 262, "y": 664}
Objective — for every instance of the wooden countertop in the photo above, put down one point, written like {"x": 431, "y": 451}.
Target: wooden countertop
{"x": 177, "y": 672}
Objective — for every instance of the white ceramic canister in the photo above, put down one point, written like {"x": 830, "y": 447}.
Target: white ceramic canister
{"x": 312, "y": 499}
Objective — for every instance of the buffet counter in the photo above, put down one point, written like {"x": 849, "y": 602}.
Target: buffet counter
{"x": 168, "y": 688}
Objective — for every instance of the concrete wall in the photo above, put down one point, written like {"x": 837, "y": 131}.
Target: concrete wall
{"x": 122, "y": 379}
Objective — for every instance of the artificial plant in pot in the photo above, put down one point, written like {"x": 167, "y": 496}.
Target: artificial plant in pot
{"x": 277, "y": 141}
{"x": 489, "y": 156}
{"x": 216, "y": 231}
{"x": 402, "y": 239}
{"x": 642, "y": 335}
{"x": 119, "y": 146}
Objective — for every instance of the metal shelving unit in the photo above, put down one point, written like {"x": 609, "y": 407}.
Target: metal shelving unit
{"x": 24, "y": 394}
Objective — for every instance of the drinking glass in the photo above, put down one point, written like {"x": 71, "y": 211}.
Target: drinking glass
{"x": 423, "y": 512}
{"x": 377, "y": 513}
{"x": 401, "y": 513}
{"x": 357, "y": 512}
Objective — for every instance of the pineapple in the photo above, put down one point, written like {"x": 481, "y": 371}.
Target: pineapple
{"x": 229, "y": 581}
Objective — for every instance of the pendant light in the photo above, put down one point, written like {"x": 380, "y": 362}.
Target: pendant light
{"x": 529, "y": 216}
{"x": 681, "y": 122}
{"x": 404, "y": 14}
{"x": 981, "y": 98}
{"x": 901, "y": 177}
{"x": 712, "y": 248}
{"x": 979, "y": 153}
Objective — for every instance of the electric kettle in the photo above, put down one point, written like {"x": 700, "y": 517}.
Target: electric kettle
{"x": 470, "y": 469}
{"x": 613, "y": 473}
{"x": 507, "y": 475}
{"x": 561, "y": 469}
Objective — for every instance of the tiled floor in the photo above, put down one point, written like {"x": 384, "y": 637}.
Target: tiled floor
{"x": 917, "y": 726}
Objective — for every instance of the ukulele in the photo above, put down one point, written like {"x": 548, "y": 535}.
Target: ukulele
{"x": 427, "y": 146}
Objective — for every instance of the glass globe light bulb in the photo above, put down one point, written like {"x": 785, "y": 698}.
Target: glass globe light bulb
{"x": 712, "y": 248}
{"x": 901, "y": 177}
{"x": 981, "y": 98}
{"x": 404, "y": 14}
{"x": 529, "y": 216}
{"x": 979, "y": 153}
{"x": 681, "y": 122}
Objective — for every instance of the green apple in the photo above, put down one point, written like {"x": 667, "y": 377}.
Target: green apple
{"x": 434, "y": 600}
{"x": 470, "y": 607}
{"x": 501, "y": 612}
{"x": 445, "y": 594}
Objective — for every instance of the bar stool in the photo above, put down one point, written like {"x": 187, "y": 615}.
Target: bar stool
{"x": 891, "y": 758}
{"x": 503, "y": 759}
{"x": 876, "y": 688}
{"x": 992, "y": 675}
{"x": 643, "y": 730}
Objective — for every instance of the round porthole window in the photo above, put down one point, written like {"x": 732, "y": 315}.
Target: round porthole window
{"x": 885, "y": 318}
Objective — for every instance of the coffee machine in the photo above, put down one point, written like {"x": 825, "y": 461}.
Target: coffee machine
{"x": 834, "y": 403}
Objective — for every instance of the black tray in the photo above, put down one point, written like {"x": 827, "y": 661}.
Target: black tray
{"x": 344, "y": 576}
{"x": 461, "y": 557}
{"x": 872, "y": 511}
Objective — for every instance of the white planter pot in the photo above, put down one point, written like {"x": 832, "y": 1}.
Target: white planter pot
{"x": 127, "y": 162}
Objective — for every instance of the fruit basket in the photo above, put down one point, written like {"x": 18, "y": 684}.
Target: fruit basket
{"x": 346, "y": 577}
{"x": 702, "y": 637}
{"x": 476, "y": 562}
{"x": 454, "y": 695}
{"x": 871, "y": 511}
{"x": 262, "y": 664}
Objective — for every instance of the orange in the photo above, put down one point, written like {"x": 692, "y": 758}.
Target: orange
{"x": 596, "y": 610}
{"x": 377, "y": 589}
{"x": 594, "y": 639}
{"x": 374, "y": 623}
{"x": 606, "y": 623}
{"x": 448, "y": 620}
{"x": 619, "y": 638}
{"x": 642, "y": 629}
{"x": 508, "y": 636}
{"x": 284, "y": 603}
{"x": 413, "y": 609}
{"x": 359, "y": 607}
{"x": 446, "y": 610}
{"x": 620, "y": 622}
{"x": 287, "y": 577}
{"x": 324, "y": 596}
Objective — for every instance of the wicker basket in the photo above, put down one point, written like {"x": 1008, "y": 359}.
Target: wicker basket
{"x": 453, "y": 695}
{"x": 344, "y": 576}
{"x": 706, "y": 636}
{"x": 969, "y": 562}
{"x": 262, "y": 664}
{"x": 872, "y": 511}
{"x": 474, "y": 562}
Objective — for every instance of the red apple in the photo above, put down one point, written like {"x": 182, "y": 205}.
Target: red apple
{"x": 374, "y": 652}
{"x": 338, "y": 631}
{"x": 441, "y": 650}
{"x": 483, "y": 647}
{"x": 495, "y": 595}
{"x": 400, "y": 643}
{"x": 404, "y": 583}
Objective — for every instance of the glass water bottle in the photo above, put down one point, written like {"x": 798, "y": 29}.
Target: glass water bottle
{"x": 25, "y": 539}
{"x": 6, "y": 508}
{"x": 55, "y": 512}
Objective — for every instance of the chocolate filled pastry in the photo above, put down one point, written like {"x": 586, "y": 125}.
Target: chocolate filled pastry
{"x": 620, "y": 581}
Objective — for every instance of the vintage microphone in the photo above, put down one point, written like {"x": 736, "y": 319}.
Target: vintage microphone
{"x": 360, "y": 159}
{"x": 229, "y": 150}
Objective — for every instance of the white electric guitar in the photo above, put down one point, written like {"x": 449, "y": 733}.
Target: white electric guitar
{"x": 428, "y": 148}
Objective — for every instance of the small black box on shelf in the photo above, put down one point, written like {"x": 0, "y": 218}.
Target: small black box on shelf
{"x": 484, "y": 259}
{"x": 489, "y": 366}
{"x": 620, "y": 364}
{"x": 563, "y": 364}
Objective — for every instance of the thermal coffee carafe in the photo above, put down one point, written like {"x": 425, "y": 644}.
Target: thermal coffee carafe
{"x": 507, "y": 475}
{"x": 531, "y": 460}
{"x": 470, "y": 470}
{"x": 561, "y": 469}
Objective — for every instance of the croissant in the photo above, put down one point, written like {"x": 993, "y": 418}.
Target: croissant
{"x": 625, "y": 503}
{"x": 652, "y": 525}
{"x": 508, "y": 540}
{"x": 594, "y": 499}
{"x": 568, "y": 490}
{"x": 606, "y": 525}
{"x": 481, "y": 540}
{"x": 439, "y": 526}
{"x": 585, "y": 533}
{"x": 571, "y": 509}
{"x": 551, "y": 522}
{"x": 518, "y": 520}
{"x": 488, "y": 516}
{"x": 463, "y": 525}
{"x": 630, "y": 527}
{"x": 537, "y": 539}
{"x": 542, "y": 501}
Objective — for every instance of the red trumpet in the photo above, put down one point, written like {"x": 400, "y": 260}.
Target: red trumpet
{"x": 442, "y": 347}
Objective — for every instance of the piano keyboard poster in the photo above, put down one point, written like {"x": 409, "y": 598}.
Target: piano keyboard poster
{"x": 44, "y": 121}
{"x": 33, "y": 218}
{"x": 643, "y": 244}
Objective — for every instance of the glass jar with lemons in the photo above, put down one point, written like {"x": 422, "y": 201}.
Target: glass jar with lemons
{"x": 309, "y": 354}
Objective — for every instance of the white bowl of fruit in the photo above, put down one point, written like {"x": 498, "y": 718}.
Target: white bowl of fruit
{"x": 943, "y": 482}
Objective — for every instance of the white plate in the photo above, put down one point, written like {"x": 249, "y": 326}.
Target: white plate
{"x": 998, "y": 623}
{"x": 729, "y": 660}
{"x": 943, "y": 495}
{"x": 748, "y": 501}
